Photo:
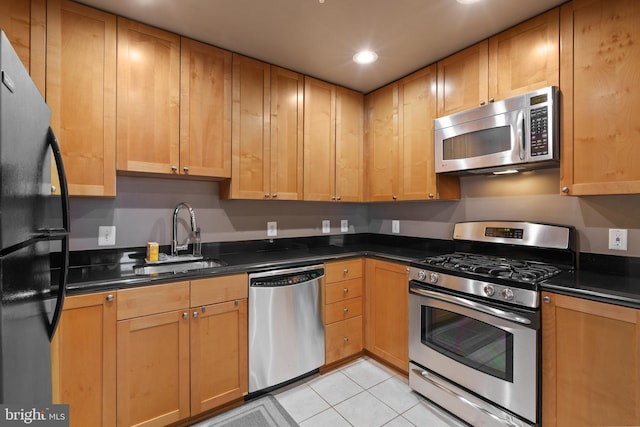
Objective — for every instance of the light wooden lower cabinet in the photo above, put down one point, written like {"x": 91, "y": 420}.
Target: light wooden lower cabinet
{"x": 590, "y": 363}
{"x": 83, "y": 359}
{"x": 343, "y": 309}
{"x": 387, "y": 312}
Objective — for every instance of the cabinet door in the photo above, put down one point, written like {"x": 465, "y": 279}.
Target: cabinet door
{"x": 387, "y": 312}
{"x": 319, "y": 140}
{"x": 349, "y": 152}
{"x": 525, "y": 57}
{"x": 24, "y": 21}
{"x": 463, "y": 79}
{"x": 153, "y": 369}
{"x": 286, "y": 143}
{"x": 382, "y": 143}
{"x": 416, "y": 111}
{"x": 600, "y": 66}
{"x": 219, "y": 355}
{"x": 590, "y": 363}
{"x": 250, "y": 131}
{"x": 81, "y": 91}
{"x": 83, "y": 360}
{"x": 148, "y": 87}
{"x": 205, "y": 110}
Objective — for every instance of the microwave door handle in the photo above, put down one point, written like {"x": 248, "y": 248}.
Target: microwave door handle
{"x": 463, "y": 302}
{"x": 520, "y": 135}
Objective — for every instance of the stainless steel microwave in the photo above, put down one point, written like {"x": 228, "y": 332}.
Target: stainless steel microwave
{"x": 514, "y": 134}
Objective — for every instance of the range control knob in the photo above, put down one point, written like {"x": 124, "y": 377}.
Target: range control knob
{"x": 433, "y": 277}
{"x": 489, "y": 290}
{"x": 507, "y": 294}
{"x": 422, "y": 275}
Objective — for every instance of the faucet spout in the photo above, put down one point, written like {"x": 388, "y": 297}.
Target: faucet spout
{"x": 175, "y": 247}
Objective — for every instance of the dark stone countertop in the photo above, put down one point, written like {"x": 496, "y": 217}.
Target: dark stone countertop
{"x": 604, "y": 278}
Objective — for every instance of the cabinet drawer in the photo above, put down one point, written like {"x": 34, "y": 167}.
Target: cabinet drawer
{"x": 343, "y": 270}
{"x": 342, "y": 310}
{"x": 343, "y": 339}
{"x": 343, "y": 290}
{"x": 154, "y": 299}
{"x": 214, "y": 290}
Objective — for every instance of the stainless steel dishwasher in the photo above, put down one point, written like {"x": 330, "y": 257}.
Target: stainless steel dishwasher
{"x": 286, "y": 333}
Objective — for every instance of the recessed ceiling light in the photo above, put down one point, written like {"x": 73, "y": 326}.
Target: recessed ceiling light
{"x": 365, "y": 57}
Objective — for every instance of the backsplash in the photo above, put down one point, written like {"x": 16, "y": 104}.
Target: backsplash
{"x": 143, "y": 211}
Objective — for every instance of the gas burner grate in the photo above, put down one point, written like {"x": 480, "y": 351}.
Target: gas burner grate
{"x": 512, "y": 269}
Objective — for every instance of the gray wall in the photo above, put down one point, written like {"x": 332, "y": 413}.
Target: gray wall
{"x": 143, "y": 210}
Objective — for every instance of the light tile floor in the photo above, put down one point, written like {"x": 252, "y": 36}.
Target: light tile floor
{"x": 363, "y": 393}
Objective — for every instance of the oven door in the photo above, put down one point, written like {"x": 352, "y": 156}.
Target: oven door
{"x": 481, "y": 347}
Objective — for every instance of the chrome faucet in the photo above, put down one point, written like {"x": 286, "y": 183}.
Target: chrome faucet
{"x": 175, "y": 247}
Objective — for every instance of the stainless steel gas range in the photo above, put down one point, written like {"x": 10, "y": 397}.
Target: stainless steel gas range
{"x": 474, "y": 319}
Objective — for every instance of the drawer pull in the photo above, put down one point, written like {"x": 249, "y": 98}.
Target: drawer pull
{"x": 345, "y": 290}
{"x": 195, "y": 314}
{"x": 345, "y": 271}
{"x": 345, "y": 310}
{"x": 185, "y": 315}
{"x": 345, "y": 339}
{"x": 109, "y": 298}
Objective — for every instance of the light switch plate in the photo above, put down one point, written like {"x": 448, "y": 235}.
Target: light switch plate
{"x": 395, "y": 226}
{"x": 106, "y": 235}
{"x": 326, "y": 226}
{"x": 344, "y": 225}
{"x": 272, "y": 229}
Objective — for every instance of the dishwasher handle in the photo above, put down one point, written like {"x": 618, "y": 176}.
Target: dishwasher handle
{"x": 286, "y": 277}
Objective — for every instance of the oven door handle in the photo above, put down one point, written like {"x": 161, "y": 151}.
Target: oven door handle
{"x": 430, "y": 379}
{"x": 506, "y": 315}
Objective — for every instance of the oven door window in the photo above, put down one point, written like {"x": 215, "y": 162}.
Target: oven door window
{"x": 476, "y": 344}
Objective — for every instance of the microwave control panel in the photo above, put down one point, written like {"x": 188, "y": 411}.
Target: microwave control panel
{"x": 539, "y": 129}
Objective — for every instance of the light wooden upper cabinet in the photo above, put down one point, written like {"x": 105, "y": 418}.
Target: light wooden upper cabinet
{"x": 267, "y": 115}
{"x": 205, "y": 110}
{"x": 463, "y": 79}
{"x": 416, "y": 111}
{"x": 382, "y": 143}
{"x": 600, "y": 69}
{"x": 81, "y": 91}
{"x": 333, "y": 142}
{"x": 400, "y": 142}
{"x": 148, "y": 88}
{"x": 521, "y": 59}
{"x": 24, "y": 23}
{"x": 590, "y": 363}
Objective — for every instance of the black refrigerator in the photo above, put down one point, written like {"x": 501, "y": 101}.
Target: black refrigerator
{"x": 34, "y": 233}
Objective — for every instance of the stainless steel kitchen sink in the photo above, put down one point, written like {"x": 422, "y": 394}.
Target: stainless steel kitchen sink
{"x": 177, "y": 267}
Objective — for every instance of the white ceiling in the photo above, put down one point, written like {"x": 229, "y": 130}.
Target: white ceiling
{"x": 319, "y": 39}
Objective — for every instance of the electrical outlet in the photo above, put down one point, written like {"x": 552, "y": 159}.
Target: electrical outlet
{"x": 272, "y": 229}
{"x": 344, "y": 225}
{"x": 106, "y": 235}
{"x": 326, "y": 226}
{"x": 618, "y": 239}
{"x": 395, "y": 226}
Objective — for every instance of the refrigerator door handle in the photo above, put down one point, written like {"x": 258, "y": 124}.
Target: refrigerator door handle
{"x": 63, "y": 235}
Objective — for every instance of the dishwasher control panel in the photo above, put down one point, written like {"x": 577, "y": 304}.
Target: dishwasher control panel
{"x": 286, "y": 277}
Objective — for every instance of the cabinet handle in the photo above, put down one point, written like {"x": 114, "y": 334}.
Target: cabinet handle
{"x": 267, "y": 195}
{"x": 186, "y": 168}
{"x": 482, "y": 102}
{"x": 491, "y": 100}
{"x": 53, "y": 189}
{"x": 236, "y": 302}
{"x": 345, "y": 310}
{"x": 174, "y": 168}
{"x": 109, "y": 298}
{"x": 431, "y": 195}
{"x": 185, "y": 315}
{"x": 274, "y": 195}
{"x": 345, "y": 271}
{"x": 333, "y": 197}
{"x": 565, "y": 190}
{"x": 345, "y": 290}
{"x": 546, "y": 299}
{"x": 195, "y": 314}
{"x": 394, "y": 197}
{"x": 345, "y": 339}
{"x": 338, "y": 198}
